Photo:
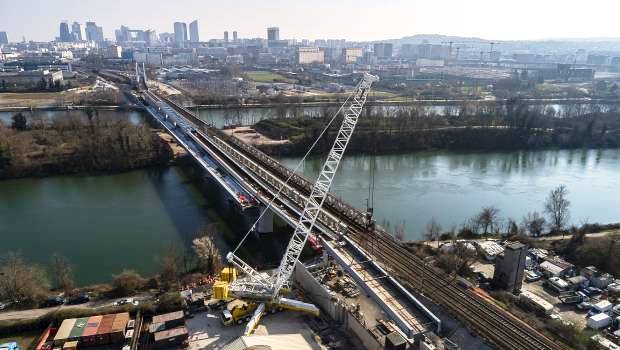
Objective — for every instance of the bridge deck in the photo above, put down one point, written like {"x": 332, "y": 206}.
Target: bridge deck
{"x": 181, "y": 130}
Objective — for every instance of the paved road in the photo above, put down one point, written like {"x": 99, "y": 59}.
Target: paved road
{"x": 34, "y": 313}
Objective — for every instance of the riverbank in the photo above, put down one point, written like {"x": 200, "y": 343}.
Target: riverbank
{"x": 405, "y": 133}
{"x": 41, "y": 147}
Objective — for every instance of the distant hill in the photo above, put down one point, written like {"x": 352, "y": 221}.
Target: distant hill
{"x": 433, "y": 39}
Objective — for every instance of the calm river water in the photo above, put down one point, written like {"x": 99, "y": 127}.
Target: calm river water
{"x": 410, "y": 189}
{"x": 102, "y": 223}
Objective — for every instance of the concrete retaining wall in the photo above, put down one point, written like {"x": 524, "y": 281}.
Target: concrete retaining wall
{"x": 338, "y": 312}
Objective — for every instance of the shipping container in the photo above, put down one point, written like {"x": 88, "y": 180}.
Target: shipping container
{"x": 63, "y": 332}
{"x": 105, "y": 327}
{"x": 89, "y": 338}
{"x": 70, "y": 345}
{"x": 170, "y": 338}
{"x": 117, "y": 333}
{"x": 78, "y": 328}
{"x": 171, "y": 320}
{"x": 156, "y": 327}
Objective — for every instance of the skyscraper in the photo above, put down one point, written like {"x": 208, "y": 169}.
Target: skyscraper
{"x": 76, "y": 31}
{"x": 226, "y": 38}
{"x": 235, "y": 36}
{"x": 193, "y": 32}
{"x": 65, "y": 35}
{"x": 4, "y": 40}
{"x": 180, "y": 33}
{"x": 94, "y": 32}
{"x": 273, "y": 33}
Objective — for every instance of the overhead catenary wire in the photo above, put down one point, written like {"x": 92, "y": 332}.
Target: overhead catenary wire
{"x": 293, "y": 172}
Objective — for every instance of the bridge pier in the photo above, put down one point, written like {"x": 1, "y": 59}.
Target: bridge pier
{"x": 265, "y": 224}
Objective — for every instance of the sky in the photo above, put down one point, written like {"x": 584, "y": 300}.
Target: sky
{"x": 323, "y": 19}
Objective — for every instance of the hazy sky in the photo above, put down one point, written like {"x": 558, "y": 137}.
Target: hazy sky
{"x": 311, "y": 19}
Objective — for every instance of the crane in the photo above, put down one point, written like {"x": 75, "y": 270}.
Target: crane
{"x": 264, "y": 288}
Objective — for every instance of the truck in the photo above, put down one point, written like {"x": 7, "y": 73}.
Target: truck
{"x": 238, "y": 311}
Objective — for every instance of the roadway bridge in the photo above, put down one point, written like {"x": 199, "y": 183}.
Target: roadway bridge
{"x": 262, "y": 178}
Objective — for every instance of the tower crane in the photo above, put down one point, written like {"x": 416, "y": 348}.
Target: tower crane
{"x": 266, "y": 289}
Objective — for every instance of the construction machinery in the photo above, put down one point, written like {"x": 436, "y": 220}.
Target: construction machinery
{"x": 261, "y": 292}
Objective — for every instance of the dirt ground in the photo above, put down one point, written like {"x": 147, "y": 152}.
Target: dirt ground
{"x": 207, "y": 332}
{"x": 250, "y": 136}
{"x": 177, "y": 150}
{"x": 35, "y": 99}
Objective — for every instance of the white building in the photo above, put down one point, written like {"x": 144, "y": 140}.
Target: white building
{"x": 310, "y": 55}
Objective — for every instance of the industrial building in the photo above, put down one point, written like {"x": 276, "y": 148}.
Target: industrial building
{"x": 383, "y": 50}
{"x": 509, "y": 267}
{"x": 352, "y": 54}
{"x": 92, "y": 331}
{"x": 310, "y": 55}
{"x": 31, "y": 79}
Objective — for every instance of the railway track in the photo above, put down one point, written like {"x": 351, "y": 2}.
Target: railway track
{"x": 499, "y": 328}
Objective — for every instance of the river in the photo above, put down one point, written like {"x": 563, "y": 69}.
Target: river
{"x": 410, "y": 189}
{"x": 102, "y": 223}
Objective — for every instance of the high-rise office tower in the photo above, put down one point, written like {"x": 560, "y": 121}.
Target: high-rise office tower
{"x": 65, "y": 35}
{"x": 76, "y": 31}
{"x": 4, "y": 40}
{"x": 193, "y": 32}
{"x": 226, "y": 38}
{"x": 273, "y": 33}
{"x": 180, "y": 33}
{"x": 94, "y": 32}
{"x": 235, "y": 36}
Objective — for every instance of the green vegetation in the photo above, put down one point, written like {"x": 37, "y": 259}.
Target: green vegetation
{"x": 262, "y": 76}
{"x": 514, "y": 126}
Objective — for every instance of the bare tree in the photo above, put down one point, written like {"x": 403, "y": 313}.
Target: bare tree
{"x": 169, "y": 267}
{"x": 21, "y": 281}
{"x": 208, "y": 254}
{"x": 534, "y": 223}
{"x": 556, "y": 207}
{"x": 128, "y": 282}
{"x": 487, "y": 219}
{"x": 63, "y": 274}
{"x": 432, "y": 230}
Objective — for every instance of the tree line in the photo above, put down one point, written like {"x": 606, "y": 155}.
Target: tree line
{"x": 36, "y": 145}
{"x": 27, "y": 284}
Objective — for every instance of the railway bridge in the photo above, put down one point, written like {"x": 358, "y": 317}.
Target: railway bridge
{"x": 243, "y": 169}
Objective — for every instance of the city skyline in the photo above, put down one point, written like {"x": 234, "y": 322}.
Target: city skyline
{"x": 346, "y": 19}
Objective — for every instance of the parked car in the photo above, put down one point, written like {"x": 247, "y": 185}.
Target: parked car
{"x": 79, "y": 299}
{"x": 584, "y": 306}
{"x": 592, "y": 291}
{"x": 126, "y": 301}
{"x": 533, "y": 276}
{"x": 3, "y": 306}
{"x": 54, "y": 301}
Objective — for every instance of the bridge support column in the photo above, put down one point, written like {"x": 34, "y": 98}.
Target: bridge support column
{"x": 265, "y": 224}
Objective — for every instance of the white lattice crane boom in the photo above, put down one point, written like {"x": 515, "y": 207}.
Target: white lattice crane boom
{"x": 260, "y": 286}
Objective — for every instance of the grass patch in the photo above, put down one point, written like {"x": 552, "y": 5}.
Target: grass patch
{"x": 262, "y": 76}
{"x": 24, "y": 339}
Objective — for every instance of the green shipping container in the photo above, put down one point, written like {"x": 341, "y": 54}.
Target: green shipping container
{"x": 78, "y": 328}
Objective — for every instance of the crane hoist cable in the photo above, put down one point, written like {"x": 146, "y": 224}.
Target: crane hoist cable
{"x": 299, "y": 165}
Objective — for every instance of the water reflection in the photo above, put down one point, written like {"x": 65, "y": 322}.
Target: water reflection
{"x": 453, "y": 186}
